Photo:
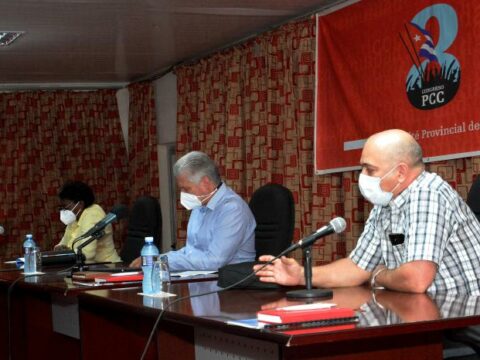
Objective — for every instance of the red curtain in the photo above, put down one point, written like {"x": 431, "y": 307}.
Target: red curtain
{"x": 49, "y": 137}
{"x": 251, "y": 108}
{"x": 142, "y": 142}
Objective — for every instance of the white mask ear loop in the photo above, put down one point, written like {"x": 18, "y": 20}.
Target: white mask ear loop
{"x": 207, "y": 196}
{"x": 391, "y": 191}
{"x": 76, "y": 214}
{"x": 388, "y": 172}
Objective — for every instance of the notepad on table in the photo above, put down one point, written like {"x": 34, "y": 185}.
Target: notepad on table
{"x": 189, "y": 273}
{"x": 103, "y": 277}
{"x": 282, "y": 315}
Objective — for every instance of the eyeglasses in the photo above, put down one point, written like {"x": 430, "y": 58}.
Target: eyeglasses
{"x": 66, "y": 207}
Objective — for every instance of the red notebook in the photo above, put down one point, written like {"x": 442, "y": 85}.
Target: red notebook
{"x": 99, "y": 277}
{"x": 282, "y": 316}
{"x": 321, "y": 329}
{"x": 109, "y": 278}
{"x": 87, "y": 275}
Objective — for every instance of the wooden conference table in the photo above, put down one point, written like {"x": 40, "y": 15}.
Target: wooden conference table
{"x": 43, "y": 316}
{"x": 115, "y": 323}
{"x": 52, "y": 318}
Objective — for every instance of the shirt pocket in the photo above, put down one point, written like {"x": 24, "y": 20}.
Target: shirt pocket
{"x": 399, "y": 253}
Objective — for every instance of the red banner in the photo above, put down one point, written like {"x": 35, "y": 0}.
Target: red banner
{"x": 397, "y": 64}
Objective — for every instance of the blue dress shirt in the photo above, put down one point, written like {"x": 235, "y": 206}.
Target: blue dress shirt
{"x": 221, "y": 232}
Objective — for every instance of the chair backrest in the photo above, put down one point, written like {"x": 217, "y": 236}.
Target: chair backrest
{"x": 473, "y": 198}
{"x": 274, "y": 210}
{"x": 145, "y": 220}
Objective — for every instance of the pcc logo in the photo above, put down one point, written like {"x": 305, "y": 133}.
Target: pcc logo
{"x": 434, "y": 77}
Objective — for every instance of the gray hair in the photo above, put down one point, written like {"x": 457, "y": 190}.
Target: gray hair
{"x": 197, "y": 165}
{"x": 415, "y": 154}
{"x": 406, "y": 149}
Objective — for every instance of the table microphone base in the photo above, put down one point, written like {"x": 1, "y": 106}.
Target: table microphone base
{"x": 310, "y": 294}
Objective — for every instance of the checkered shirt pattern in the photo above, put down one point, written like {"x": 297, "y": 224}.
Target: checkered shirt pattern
{"x": 437, "y": 225}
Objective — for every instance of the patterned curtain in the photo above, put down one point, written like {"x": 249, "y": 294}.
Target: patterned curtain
{"x": 142, "y": 140}
{"x": 49, "y": 137}
{"x": 252, "y": 109}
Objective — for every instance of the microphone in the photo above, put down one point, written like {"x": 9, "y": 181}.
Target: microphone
{"x": 2, "y": 230}
{"x": 118, "y": 212}
{"x": 336, "y": 225}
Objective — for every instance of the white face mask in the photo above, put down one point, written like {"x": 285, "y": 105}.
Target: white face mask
{"x": 371, "y": 190}
{"x": 68, "y": 216}
{"x": 190, "y": 201}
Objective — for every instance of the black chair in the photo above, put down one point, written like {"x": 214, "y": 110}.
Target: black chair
{"x": 473, "y": 198}
{"x": 274, "y": 211}
{"x": 145, "y": 220}
{"x": 463, "y": 344}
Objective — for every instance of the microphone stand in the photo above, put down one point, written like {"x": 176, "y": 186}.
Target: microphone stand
{"x": 309, "y": 293}
{"x": 80, "y": 258}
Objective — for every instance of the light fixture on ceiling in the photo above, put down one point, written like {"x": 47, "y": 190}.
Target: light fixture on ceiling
{"x": 7, "y": 37}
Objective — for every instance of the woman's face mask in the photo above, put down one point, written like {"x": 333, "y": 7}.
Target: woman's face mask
{"x": 68, "y": 216}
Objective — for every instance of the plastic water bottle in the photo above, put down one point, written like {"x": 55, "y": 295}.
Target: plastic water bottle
{"x": 149, "y": 253}
{"x": 30, "y": 257}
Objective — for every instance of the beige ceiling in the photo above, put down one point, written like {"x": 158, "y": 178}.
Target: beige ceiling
{"x": 113, "y": 42}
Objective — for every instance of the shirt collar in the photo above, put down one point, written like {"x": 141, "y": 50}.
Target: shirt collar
{"x": 402, "y": 198}
{"x": 216, "y": 197}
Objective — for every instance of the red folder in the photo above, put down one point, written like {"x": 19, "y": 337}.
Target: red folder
{"x": 101, "y": 277}
{"x": 321, "y": 329}
{"x": 121, "y": 278}
{"x": 88, "y": 275}
{"x": 281, "y": 316}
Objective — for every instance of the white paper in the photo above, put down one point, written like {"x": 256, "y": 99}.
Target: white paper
{"x": 192, "y": 273}
{"x": 161, "y": 294}
{"x": 34, "y": 273}
{"x": 126, "y": 273}
{"x": 318, "y": 305}
{"x": 248, "y": 323}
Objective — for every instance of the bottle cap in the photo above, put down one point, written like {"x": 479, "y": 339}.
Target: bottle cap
{"x": 149, "y": 239}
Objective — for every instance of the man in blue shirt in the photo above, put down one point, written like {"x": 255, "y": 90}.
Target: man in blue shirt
{"x": 221, "y": 228}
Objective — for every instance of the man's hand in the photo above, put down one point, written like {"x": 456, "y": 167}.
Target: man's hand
{"x": 136, "y": 263}
{"x": 283, "y": 271}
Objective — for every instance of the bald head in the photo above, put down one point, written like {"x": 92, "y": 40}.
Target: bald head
{"x": 393, "y": 156}
{"x": 394, "y": 146}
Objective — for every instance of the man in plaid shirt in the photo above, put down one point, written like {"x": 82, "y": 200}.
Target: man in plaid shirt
{"x": 420, "y": 235}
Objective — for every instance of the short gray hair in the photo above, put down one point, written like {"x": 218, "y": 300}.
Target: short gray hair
{"x": 415, "y": 154}
{"x": 197, "y": 165}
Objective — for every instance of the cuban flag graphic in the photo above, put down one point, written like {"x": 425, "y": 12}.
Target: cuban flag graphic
{"x": 420, "y": 46}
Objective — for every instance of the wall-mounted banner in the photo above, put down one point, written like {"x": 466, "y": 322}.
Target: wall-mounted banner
{"x": 411, "y": 65}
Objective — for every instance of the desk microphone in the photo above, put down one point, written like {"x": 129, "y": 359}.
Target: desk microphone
{"x": 336, "y": 225}
{"x": 118, "y": 212}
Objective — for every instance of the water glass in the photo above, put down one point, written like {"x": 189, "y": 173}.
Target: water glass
{"x": 37, "y": 255}
{"x": 160, "y": 274}
{"x": 32, "y": 260}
